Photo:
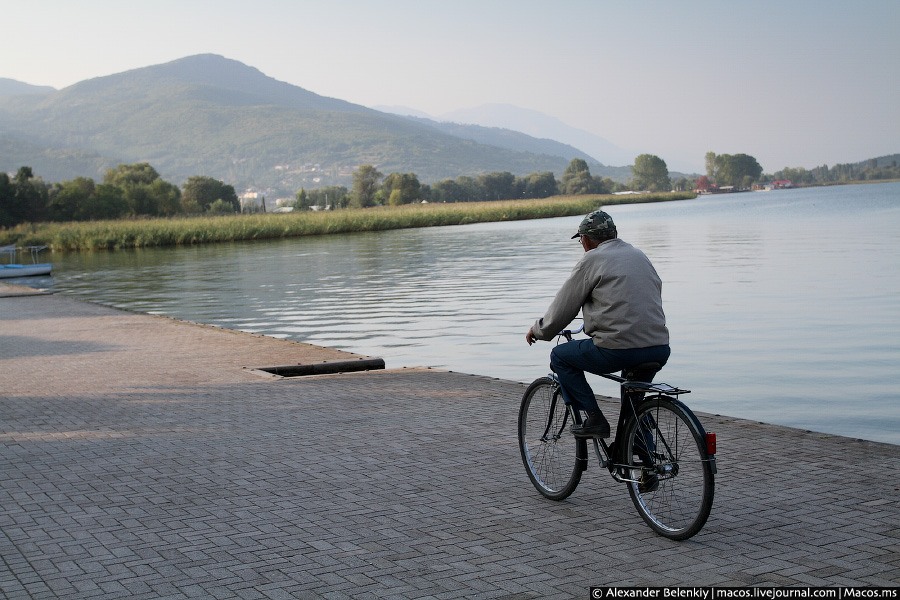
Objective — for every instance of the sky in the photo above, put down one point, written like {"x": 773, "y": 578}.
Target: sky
{"x": 794, "y": 83}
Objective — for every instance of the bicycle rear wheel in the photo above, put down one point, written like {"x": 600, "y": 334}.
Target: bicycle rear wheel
{"x": 673, "y": 479}
{"x": 553, "y": 457}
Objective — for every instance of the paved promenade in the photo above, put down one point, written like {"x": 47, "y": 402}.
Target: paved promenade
{"x": 144, "y": 457}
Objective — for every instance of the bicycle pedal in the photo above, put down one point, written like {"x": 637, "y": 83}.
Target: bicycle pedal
{"x": 589, "y": 435}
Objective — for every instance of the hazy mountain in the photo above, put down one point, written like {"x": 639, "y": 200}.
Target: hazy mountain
{"x": 506, "y": 138}
{"x": 208, "y": 115}
{"x": 513, "y": 139}
{"x": 11, "y": 87}
{"x": 404, "y": 111}
{"x": 540, "y": 125}
{"x": 49, "y": 163}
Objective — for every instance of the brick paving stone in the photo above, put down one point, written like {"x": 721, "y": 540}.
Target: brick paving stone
{"x": 144, "y": 457}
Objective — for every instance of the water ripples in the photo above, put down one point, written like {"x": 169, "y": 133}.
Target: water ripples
{"x": 781, "y": 305}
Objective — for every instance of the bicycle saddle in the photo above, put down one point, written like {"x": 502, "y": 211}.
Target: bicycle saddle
{"x": 641, "y": 372}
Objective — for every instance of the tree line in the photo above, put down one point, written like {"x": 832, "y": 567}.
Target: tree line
{"x": 373, "y": 188}
{"x": 649, "y": 173}
{"x": 133, "y": 190}
{"x": 742, "y": 171}
{"x": 873, "y": 169}
{"x": 137, "y": 190}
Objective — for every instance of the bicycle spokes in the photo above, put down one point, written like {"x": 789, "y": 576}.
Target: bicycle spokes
{"x": 553, "y": 458}
{"x": 653, "y": 450}
{"x": 670, "y": 477}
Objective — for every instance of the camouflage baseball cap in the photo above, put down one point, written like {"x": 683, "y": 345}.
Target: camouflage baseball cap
{"x": 597, "y": 224}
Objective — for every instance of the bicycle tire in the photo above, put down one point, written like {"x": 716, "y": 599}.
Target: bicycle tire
{"x": 664, "y": 439}
{"x": 554, "y": 459}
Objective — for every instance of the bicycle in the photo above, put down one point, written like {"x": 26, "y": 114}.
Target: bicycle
{"x": 660, "y": 450}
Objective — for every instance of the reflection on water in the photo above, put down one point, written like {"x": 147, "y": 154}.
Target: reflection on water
{"x": 782, "y": 305}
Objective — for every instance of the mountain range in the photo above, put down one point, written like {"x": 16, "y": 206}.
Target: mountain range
{"x": 213, "y": 116}
{"x": 530, "y": 122}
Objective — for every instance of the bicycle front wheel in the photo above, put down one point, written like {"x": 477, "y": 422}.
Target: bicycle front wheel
{"x": 553, "y": 457}
{"x": 671, "y": 477}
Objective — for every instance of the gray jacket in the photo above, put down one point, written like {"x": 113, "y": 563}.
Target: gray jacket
{"x": 619, "y": 294}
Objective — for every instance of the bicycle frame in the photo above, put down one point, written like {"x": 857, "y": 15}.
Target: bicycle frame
{"x": 631, "y": 393}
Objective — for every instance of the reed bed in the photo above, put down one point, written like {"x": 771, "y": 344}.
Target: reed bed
{"x": 145, "y": 233}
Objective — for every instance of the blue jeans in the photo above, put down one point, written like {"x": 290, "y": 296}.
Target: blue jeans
{"x": 570, "y": 361}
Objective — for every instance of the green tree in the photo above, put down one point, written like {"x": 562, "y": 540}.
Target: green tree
{"x": 739, "y": 170}
{"x": 7, "y": 198}
{"x": 168, "y": 198}
{"x": 199, "y": 193}
{"x": 497, "y": 186}
{"x": 24, "y": 199}
{"x": 401, "y": 188}
{"x": 301, "y": 200}
{"x": 711, "y": 165}
{"x": 221, "y": 207}
{"x": 682, "y": 184}
{"x": 144, "y": 190}
{"x": 81, "y": 199}
{"x": 541, "y": 185}
{"x": 125, "y": 176}
{"x": 446, "y": 190}
{"x": 576, "y": 179}
{"x": 107, "y": 202}
{"x": 650, "y": 173}
{"x": 801, "y": 176}
{"x": 604, "y": 185}
{"x": 365, "y": 185}
{"x": 461, "y": 189}
{"x": 468, "y": 188}
{"x": 334, "y": 196}
{"x": 69, "y": 200}
{"x": 140, "y": 200}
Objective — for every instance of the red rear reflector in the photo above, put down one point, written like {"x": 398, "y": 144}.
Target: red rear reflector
{"x": 710, "y": 443}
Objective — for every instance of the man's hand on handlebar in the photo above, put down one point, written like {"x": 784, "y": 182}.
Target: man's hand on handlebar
{"x": 531, "y": 338}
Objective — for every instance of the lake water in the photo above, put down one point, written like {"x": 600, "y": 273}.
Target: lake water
{"x": 782, "y": 306}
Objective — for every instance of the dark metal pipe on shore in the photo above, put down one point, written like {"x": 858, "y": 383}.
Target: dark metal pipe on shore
{"x": 326, "y": 367}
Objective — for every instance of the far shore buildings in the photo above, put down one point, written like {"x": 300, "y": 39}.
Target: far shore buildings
{"x": 252, "y": 201}
{"x": 704, "y": 186}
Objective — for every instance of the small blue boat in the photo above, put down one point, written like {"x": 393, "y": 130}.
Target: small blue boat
{"x": 13, "y": 269}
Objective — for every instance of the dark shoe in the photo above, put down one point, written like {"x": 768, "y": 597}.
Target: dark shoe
{"x": 649, "y": 483}
{"x": 595, "y": 425}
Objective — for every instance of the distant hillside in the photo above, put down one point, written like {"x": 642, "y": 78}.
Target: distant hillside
{"x": 522, "y": 129}
{"x": 516, "y": 140}
{"x": 51, "y": 164}
{"x": 891, "y": 160}
{"x": 11, "y": 87}
{"x": 208, "y": 115}
{"x": 539, "y": 125}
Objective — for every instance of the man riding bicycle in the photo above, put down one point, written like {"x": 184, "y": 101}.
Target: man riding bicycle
{"x": 619, "y": 294}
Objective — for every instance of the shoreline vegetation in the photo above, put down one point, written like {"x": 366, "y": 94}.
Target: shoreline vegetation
{"x": 186, "y": 231}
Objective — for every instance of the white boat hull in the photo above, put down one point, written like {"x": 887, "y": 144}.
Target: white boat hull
{"x": 14, "y": 270}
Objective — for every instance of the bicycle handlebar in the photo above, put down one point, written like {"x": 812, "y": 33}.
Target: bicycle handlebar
{"x": 567, "y": 333}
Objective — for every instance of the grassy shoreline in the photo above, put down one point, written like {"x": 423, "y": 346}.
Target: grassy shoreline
{"x": 146, "y": 233}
